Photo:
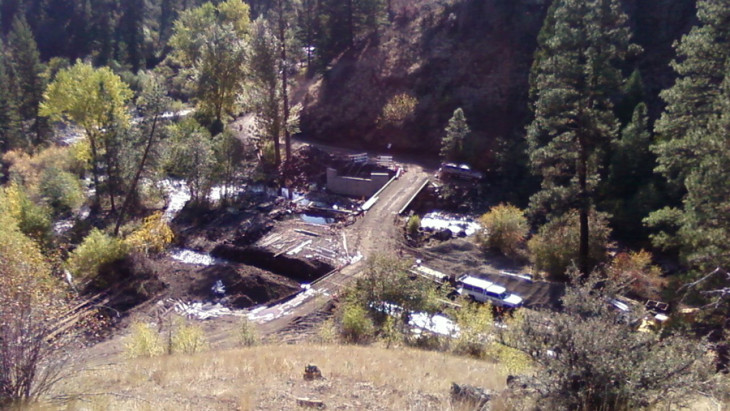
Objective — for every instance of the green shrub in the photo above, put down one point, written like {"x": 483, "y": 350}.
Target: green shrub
{"x": 476, "y": 323}
{"x": 188, "y": 339}
{"x": 390, "y": 332}
{"x": 247, "y": 333}
{"x": 33, "y": 220}
{"x": 556, "y": 246}
{"x": 413, "y": 224}
{"x": 96, "y": 250}
{"x": 327, "y": 333}
{"x": 62, "y": 190}
{"x": 357, "y": 327}
{"x": 143, "y": 342}
{"x": 506, "y": 228}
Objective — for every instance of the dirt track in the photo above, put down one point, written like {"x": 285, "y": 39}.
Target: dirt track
{"x": 375, "y": 232}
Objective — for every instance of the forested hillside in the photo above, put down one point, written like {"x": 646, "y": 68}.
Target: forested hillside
{"x": 158, "y": 154}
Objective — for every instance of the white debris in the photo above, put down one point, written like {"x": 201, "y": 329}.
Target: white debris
{"x": 437, "y": 324}
{"x": 266, "y": 314}
{"x": 420, "y": 321}
{"x": 218, "y": 288}
{"x": 216, "y": 193}
{"x": 356, "y": 258}
{"x": 193, "y": 257}
{"x": 204, "y": 311}
{"x": 457, "y": 225}
{"x": 299, "y": 248}
{"x": 62, "y": 226}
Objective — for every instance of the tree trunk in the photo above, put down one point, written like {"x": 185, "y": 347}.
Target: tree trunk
{"x": 276, "y": 124}
{"x": 111, "y": 179}
{"x": 584, "y": 205}
{"x": 94, "y": 169}
{"x": 137, "y": 174}
{"x": 284, "y": 90}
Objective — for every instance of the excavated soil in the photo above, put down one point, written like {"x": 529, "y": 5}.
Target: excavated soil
{"x": 461, "y": 256}
{"x": 300, "y": 269}
{"x": 245, "y": 285}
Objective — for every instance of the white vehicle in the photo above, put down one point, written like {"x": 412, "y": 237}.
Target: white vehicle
{"x": 486, "y": 291}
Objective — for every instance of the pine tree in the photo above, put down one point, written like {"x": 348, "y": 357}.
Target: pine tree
{"x": 265, "y": 90}
{"x": 452, "y": 144}
{"x": 131, "y": 28}
{"x": 27, "y": 71}
{"x": 10, "y": 133}
{"x": 693, "y": 153}
{"x": 573, "y": 82}
{"x": 631, "y": 188}
{"x": 282, "y": 15}
{"x": 702, "y": 60}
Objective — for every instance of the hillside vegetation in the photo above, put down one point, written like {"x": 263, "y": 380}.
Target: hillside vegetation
{"x": 270, "y": 377}
{"x": 177, "y": 160}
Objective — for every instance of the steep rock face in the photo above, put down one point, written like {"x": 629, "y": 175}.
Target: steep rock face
{"x": 474, "y": 54}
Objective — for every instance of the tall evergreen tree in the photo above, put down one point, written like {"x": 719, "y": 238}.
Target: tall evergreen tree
{"x": 265, "y": 81}
{"x": 10, "y": 133}
{"x": 702, "y": 60}
{"x": 452, "y": 144}
{"x": 342, "y": 22}
{"x": 307, "y": 26}
{"x": 27, "y": 72}
{"x": 631, "y": 191}
{"x": 693, "y": 151}
{"x": 131, "y": 31}
{"x": 574, "y": 122}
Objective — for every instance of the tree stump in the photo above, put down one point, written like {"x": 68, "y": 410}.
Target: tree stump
{"x": 311, "y": 372}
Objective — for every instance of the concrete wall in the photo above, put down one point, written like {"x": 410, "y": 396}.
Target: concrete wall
{"x": 355, "y": 186}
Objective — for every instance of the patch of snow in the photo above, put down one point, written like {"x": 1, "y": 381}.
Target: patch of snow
{"x": 62, "y": 226}
{"x": 457, "y": 225}
{"x": 420, "y": 322}
{"x": 437, "y": 324}
{"x": 218, "y": 288}
{"x": 193, "y": 257}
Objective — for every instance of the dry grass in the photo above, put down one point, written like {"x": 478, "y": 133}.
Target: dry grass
{"x": 270, "y": 378}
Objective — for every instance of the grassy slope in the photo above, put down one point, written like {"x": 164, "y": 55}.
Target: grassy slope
{"x": 269, "y": 377}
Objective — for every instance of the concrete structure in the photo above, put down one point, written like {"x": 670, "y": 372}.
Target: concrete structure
{"x": 355, "y": 186}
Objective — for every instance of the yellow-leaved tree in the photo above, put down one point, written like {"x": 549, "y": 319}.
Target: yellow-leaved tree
{"x": 31, "y": 306}
{"x": 95, "y": 99}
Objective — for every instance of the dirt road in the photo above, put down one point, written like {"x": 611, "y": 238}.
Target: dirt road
{"x": 375, "y": 232}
